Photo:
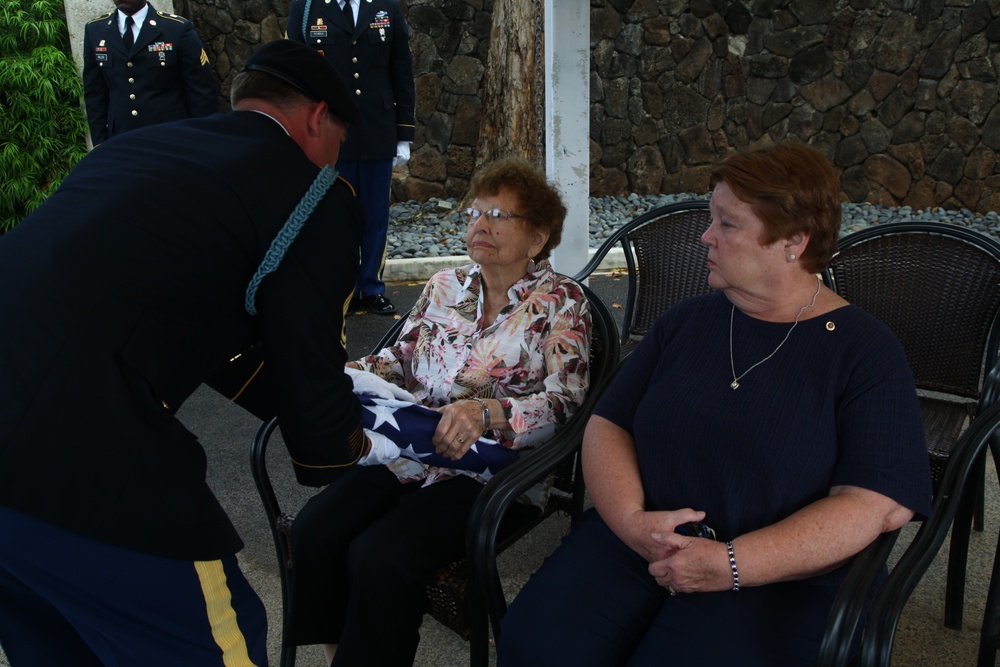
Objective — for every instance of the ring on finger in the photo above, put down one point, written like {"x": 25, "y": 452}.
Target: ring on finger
{"x": 461, "y": 440}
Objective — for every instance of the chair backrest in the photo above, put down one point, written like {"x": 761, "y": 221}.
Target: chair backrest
{"x": 937, "y": 287}
{"x": 390, "y": 336}
{"x": 665, "y": 261}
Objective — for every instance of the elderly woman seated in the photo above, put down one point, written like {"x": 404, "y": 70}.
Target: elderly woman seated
{"x": 499, "y": 347}
{"x": 771, "y": 415}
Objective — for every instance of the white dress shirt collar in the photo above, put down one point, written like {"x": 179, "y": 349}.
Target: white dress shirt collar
{"x": 139, "y": 17}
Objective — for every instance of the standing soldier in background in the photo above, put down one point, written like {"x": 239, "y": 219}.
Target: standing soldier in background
{"x": 368, "y": 42}
{"x": 142, "y": 67}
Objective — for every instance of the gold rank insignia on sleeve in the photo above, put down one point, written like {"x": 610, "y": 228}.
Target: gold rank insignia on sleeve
{"x": 103, "y": 17}
{"x": 171, "y": 17}
{"x": 204, "y": 58}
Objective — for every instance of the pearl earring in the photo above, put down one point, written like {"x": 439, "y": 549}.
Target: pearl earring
{"x": 791, "y": 258}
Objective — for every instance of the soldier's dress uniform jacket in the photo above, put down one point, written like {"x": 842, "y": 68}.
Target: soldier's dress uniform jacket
{"x": 125, "y": 291}
{"x": 165, "y": 76}
{"x": 375, "y": 61}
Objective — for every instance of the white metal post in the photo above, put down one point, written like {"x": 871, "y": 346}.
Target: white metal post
{"x": 567, "y": 123}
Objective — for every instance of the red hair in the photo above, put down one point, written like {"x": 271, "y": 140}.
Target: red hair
{"x": 792, "y": 188}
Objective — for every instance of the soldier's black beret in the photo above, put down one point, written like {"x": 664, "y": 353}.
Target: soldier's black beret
{"x": 305, "y": 69}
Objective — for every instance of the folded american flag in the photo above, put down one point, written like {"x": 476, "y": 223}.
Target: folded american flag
{"x": 411, "y": 427}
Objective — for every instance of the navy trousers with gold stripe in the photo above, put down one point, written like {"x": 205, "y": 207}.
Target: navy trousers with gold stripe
{"x": 69, "y": 600}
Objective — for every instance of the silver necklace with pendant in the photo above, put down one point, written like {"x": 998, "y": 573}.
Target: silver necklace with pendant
{"x": 735, "y": 384}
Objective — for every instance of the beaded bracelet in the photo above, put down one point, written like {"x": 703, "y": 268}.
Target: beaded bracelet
{"x": 486, "y": 414}
{"x": 732, "y": 564}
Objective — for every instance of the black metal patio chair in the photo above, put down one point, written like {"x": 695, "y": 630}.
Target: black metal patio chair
{"x": 937, "y": 287}
{"x": 880, "y": 630}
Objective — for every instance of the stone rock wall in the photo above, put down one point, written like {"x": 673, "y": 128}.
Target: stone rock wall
{"x": 232, "y": 29}
{"x": 902, "y": 95}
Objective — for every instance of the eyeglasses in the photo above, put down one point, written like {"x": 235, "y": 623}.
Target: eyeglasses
{"x": 492, "y": 214}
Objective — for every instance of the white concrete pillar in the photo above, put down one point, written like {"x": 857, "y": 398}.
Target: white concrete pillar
{"x": 567, "y": 123}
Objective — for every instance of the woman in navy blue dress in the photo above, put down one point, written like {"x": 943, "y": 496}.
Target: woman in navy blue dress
{"x": 771, "y": 410}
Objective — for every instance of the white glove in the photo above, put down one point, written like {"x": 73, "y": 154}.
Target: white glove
{"x": 383, "y": 450}
{"x": 402, "y": 154}
{"x": 370, "y": 384}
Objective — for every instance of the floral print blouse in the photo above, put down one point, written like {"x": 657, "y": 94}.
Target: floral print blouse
{"x": 536, "y": 354}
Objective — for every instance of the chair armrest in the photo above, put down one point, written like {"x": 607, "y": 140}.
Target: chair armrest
{"x": 505, "y": 488}
{"x": 258, "y": 466}
{"x": 841, "y": 624}
{"x": 618, "y": 238}
{"x": 880, "y": 630}
{"x": 500, "y": 493}
{"x": 991, "y": 388}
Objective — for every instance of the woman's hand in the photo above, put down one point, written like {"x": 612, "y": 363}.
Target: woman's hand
{"x": 460, "y": 426}
{"x": 811, "y": 541}
{"x": 693, "y": 564}
{"x": 643, "y": 527}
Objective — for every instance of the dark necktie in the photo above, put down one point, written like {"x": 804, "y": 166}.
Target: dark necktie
{"x": 127, "y": 35}
{"x": 349, "y": 14}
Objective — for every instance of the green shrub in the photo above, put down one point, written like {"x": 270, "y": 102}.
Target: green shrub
{"x": 42, "y": 125}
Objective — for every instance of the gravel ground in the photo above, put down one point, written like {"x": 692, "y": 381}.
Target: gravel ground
{"x": 435, "y": 228}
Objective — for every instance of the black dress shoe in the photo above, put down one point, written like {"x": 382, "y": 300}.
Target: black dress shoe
{"x": 376, "y": 303}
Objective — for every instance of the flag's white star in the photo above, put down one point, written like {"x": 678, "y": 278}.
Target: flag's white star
{"x": 410, "y": 453}
{"x": 383, "y": 415}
